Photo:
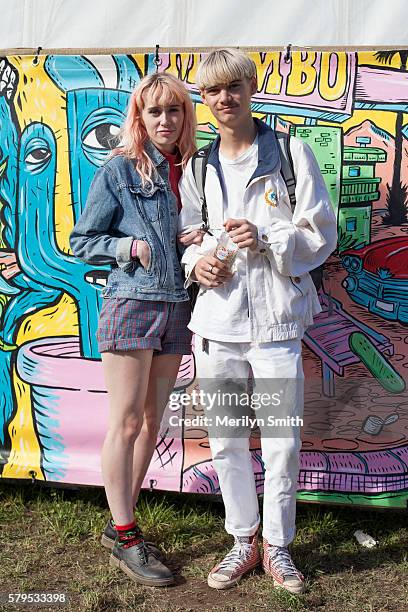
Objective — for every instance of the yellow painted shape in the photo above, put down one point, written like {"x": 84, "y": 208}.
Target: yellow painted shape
{"x": 382, "y": 119}
{"x": 25, "y": 455}
{"x": 367, "y": 58}
{"x": 38, "y": 99}
{"x": 303, "y": 75}
{"x": 184, "y": 66}
{"x": 139, "y": 59}
{"x": 333, "y": 91}
{"x": 41, "y": 100}
{"x": 268, "y": 71}
{"x": 58, "y": 320}
{"x": 203, "y": 114}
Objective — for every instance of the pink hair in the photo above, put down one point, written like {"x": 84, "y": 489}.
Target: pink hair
{"x": 165, "y": 88}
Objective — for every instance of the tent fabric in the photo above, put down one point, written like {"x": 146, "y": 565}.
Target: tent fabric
{"x": 189, "y": 23}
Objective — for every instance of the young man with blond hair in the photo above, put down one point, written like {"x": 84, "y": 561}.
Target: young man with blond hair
{"x": 249, "y": 319}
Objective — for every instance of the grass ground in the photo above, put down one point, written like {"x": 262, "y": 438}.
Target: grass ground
{"x": 50, "y": 542}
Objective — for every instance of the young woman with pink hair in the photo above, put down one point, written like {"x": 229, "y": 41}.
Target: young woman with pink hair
{"x": 130, "y": 222}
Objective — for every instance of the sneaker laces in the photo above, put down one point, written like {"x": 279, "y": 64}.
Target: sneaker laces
{"x": 281, "y": 561}
{"x": 238, "y": 553}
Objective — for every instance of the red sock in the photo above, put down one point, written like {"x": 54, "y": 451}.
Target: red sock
{"x": 129, "y": 535}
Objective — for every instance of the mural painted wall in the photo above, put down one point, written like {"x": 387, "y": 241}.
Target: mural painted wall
{"x": 58, "y": 119}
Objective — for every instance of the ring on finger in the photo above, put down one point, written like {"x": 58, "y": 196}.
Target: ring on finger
{"x": 211, "y": 269}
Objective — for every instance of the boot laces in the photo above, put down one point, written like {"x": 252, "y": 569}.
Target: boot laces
{"x": 142, "y": 552}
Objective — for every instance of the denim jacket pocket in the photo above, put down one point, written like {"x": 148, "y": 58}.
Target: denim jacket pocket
{"x": 150, "y": 267}
{"x": 148, "y": 200}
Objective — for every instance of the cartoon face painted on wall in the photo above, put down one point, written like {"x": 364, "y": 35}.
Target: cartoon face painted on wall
{"x": 8, "y": 148}
{"x": 67, "y": 122}
{"x": 94, "y": 113}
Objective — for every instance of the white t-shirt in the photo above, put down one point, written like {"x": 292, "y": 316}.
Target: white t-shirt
{"x": 226, "y": 306}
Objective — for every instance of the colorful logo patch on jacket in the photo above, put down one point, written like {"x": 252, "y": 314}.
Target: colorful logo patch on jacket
{"x": 271, "y": 198}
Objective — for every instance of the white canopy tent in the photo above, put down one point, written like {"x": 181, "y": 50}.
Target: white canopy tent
{"x": 190, "y": 23}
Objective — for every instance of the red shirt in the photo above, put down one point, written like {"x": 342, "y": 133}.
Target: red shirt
{"x": 175, "y": 173}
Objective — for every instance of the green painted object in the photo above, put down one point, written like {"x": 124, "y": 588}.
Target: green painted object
{"x": 365, "y": 154}
{"x": 354, "y": 226}
{"x": 376, "y": 363}
{"x": 326, "y": 144}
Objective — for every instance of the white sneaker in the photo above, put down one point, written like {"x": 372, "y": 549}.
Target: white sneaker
{"x": 241, "y": 559}
{"x": 278, "y": 563}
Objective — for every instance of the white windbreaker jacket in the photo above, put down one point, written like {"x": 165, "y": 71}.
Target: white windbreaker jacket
{"x": 282, "y": 298}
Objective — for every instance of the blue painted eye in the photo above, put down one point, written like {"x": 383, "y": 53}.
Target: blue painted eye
{"x": 100, "y": 133}
{"x": 99, "y": 141}
{"x": 103, "y": 136}
{"x": 37, "y": 155}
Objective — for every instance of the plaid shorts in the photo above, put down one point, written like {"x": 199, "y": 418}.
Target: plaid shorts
{"x": 127, "y": 324}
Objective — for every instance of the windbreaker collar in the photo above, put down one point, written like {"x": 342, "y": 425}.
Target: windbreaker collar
{"x": 268, "y": 152}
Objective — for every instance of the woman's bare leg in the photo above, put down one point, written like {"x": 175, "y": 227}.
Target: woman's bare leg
{"x": 163, "y": 374}
{"x": 127, "y": 381}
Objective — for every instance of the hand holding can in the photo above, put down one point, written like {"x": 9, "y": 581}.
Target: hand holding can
{"x": 226, "y": 249}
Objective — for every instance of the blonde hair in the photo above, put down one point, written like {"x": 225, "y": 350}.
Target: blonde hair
{"x": 224, "y": 66}
{"x": 165, "y": 88}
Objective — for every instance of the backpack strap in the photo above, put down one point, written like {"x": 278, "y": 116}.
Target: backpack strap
{"x": 199, "y": 167}
{"x": 288, "y": 175}
{"x": 287, "y": 169}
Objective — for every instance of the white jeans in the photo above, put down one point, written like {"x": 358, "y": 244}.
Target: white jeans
{"x": 224, "y": 363}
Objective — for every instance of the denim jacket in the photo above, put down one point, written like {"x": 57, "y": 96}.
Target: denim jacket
{"x": 118, "y": 210}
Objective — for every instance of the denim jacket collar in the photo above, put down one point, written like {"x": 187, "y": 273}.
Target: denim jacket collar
{"x": 268, "y": 152}
{"x": 154, "y": 153}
